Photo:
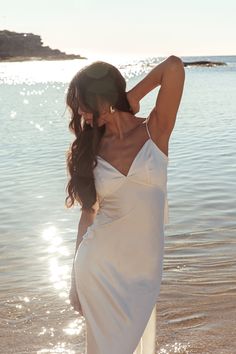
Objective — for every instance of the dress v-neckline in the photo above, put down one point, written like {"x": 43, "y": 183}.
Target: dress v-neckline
{"x": 132, "y": 164}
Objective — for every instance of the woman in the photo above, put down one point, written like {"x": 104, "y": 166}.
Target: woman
{"x": 118, "y": 174}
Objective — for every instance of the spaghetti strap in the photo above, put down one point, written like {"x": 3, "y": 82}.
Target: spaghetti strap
{"x": 147, "y": 126}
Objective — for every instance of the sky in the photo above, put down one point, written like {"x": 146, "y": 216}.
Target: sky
{"x": 127, "y": 28}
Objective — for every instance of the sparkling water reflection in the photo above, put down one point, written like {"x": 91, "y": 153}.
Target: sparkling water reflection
{"x": 196, "y": 308}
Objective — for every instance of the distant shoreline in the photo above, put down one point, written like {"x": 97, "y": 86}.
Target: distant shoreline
{"x": 48, "y": 58}
{"x": 73, "y": 57}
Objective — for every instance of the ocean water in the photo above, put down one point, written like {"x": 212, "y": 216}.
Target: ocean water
{"x": 196, "y": 309}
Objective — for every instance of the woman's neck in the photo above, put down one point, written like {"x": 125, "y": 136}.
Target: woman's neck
{"x": 120, "y": 125}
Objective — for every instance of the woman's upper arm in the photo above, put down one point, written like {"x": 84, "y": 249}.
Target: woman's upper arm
{"x": 169, "y": 97}
{"x": 87, "y": 217}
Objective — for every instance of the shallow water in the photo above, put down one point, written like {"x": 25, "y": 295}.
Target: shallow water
{"x": 196, "y": 307}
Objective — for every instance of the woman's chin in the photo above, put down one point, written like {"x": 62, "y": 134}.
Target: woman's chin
{"x": 101, "y": 123}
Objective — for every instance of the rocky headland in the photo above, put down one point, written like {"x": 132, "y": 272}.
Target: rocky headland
{"x": 16, "y": 46}
{"x": 204, "y": 63}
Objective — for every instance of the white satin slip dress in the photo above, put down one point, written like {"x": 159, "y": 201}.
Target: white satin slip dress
{"x": 118, "y": 265}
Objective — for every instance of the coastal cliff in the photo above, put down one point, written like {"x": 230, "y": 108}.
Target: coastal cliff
{"x": 28, "y": 46}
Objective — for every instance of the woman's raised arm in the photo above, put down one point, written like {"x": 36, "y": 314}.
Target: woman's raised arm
{"x": 170, "y": 75}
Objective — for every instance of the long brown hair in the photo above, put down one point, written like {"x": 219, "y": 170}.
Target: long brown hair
{"x": 97, "y": 82}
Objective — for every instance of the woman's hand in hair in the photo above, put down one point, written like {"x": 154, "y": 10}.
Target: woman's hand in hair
{"x": 133, "y": 101}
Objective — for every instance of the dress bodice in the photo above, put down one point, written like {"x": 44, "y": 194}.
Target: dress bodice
{"x": 144, "y": 187}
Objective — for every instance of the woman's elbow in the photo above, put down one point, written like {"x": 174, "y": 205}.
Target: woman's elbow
{"x": 173, "y": 59}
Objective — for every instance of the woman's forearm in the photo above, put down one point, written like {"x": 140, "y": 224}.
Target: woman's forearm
{"x": 82, "y": 228}
{"x": 85, "y": 221}
{"x": 153, "y": 78}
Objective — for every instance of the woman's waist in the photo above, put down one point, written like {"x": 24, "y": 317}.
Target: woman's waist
{"x": 142, "y": 214}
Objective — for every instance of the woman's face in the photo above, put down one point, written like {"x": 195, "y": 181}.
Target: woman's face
{"x": 88, "y": 116}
